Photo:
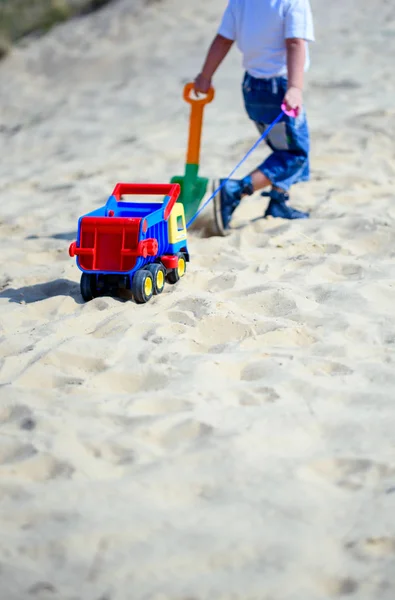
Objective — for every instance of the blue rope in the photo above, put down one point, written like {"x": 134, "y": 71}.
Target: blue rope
{"x": 250, "y": 151}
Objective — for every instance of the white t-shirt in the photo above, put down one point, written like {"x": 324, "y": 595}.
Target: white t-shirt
{"x": 260, "y": 28}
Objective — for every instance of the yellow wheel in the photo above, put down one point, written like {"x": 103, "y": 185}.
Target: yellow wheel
{"x": 142, "y": 286}
{"x": 158, "y": 273}
{"x": 148, "y": 287}
{"x": 182, "y": 265}
{"x": 175, "y": 275}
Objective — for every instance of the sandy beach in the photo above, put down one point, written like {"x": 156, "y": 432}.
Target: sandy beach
{"x": 233, "y": 439}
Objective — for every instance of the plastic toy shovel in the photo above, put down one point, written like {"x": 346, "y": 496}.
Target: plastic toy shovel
{"x": 193, "y": 187}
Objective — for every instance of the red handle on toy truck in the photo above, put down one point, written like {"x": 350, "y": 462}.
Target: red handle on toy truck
{"x": 170, "y": 190}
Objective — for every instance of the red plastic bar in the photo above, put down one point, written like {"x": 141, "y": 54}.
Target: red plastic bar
{"x": 170, "y": 261}
{"x": 159, "y": 189}
{"x": 170, "y": 190}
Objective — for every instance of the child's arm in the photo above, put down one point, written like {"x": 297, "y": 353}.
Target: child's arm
{"x": 296, "y": 56}
{"x": 216, "y": 54}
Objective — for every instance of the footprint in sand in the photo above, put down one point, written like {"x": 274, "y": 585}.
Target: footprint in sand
{"x": 269, "y": 302}
{"x": 258, "y": 396}
{"x": 217, "y": 330}
{"x": 281, "y": 337}
{"x": 349, "y": 271}
{"x": 255, "y": 371}
{"x": 24, "y": 461}
{"x": 140, "y": 380}
{"x": 199, "y": 307}
{"x": 190, "y": 311}
{"x": 173, "y": 437}
{"x": 111, "y": 452}
{"x": 372, "y": 548}
{"x": 353, "y": 474}
{"x": 111, "y": 326}
{"x": 178, "y": 316}
{"x": 18, "y": 414}
{"x": 335, "y": 587}
{"x": 333, "y": 249}
{"x": 98, "y": 304}
{"x": 225, "y": 281}
{"x": 341, "y": 299}
{"x": 329, "y": 368}
{"x": 43, "y": 590}
{"x": 61, "y": 367}
{"x": 13, "y": 452}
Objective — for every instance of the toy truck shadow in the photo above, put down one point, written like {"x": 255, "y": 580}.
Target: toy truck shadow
{"x": 135, "y": 246}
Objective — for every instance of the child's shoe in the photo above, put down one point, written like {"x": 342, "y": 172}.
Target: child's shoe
{"x": 278, "y": 208}
{"x": 228, "y": 199}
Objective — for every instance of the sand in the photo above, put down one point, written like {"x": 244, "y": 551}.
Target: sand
{"x": 233, "y": 439}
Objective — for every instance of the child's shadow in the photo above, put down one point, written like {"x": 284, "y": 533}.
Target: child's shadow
{"x": 204, "y": 227}
{"x": 41, "y": 291}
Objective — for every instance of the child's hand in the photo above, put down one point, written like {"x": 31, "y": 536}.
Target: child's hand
{"x": 293, "y": 99}
{"x": 202, "y": 84}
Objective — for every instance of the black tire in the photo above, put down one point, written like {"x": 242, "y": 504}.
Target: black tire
{"x": 142, "y": 286}
{"x": 88, "y": 286}
{"x": 175, "y": 275}
{"x": 158, "y": 273}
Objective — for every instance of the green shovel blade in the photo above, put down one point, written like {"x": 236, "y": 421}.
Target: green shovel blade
{"x": 193, "y": 189}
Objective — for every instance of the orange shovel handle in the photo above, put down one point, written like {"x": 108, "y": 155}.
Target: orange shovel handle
{"x": 195, "y": 123}
{"x": 196, "y": 101}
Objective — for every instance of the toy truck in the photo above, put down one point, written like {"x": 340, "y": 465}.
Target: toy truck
{"x": 129, "y": 245}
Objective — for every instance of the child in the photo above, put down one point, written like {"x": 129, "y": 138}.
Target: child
{"x": 272, "y": 36}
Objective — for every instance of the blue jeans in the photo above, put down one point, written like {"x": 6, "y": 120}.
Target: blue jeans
{"x": 289, "y": 139}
